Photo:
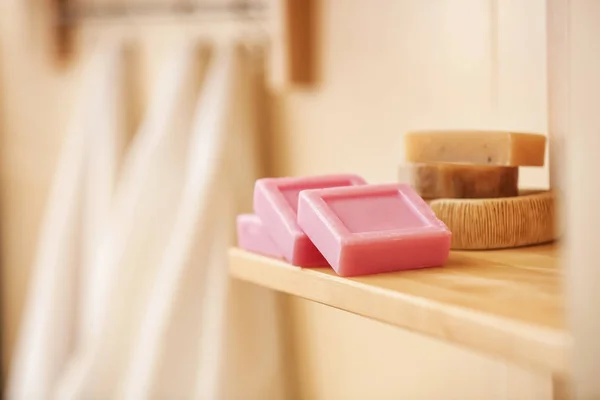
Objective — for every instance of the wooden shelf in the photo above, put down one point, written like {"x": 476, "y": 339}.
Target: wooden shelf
{"x": 505, "y": 303}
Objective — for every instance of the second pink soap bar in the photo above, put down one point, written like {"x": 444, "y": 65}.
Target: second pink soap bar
{"x": 373, "y": 228}
{"x": 276, "y": 203}
{"x": 252, "y": 236}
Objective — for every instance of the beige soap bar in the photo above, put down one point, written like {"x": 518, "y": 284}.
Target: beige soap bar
{"x": 476, "y": 147}
{"x": 461, "y": 181}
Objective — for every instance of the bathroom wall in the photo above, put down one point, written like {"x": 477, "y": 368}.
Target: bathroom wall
{"x": 386, "y": 66}
{"x": 389, "y": 66}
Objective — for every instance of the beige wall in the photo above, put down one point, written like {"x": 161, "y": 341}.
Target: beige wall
{"x": 389, "y": 66}
{"x": 386, "y": 66}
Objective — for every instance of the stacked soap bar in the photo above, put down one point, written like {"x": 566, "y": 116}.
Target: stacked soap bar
{"x": 373, "y": 229}
{"x": 253, "y": 236}
{"x": 463, "y": 181}
{"x": 276, "y": 203}
{"x": 476, "y": 147}
{"x": 342, "y": 221}
{"x": 469, "y": 164}
{"x": 471, "y": 181}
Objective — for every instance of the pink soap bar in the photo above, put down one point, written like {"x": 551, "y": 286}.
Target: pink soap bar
{"x": 252, "y": 236}
{"x": 373, "y": 228}
{"x": 276, "y": 203}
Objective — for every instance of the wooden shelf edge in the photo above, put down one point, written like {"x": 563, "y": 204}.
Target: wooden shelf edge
{"x": 524, "y": 344}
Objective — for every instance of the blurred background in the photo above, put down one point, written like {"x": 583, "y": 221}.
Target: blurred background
{"x": 378, "y": 68}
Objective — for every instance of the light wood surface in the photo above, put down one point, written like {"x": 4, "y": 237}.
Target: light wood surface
{"x": 505, "y": 303}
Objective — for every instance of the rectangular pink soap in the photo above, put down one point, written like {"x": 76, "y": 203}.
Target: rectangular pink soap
{"x": 373, "y": 228}
{"x": 276, "y": 203}
{"x": 252, "y": 236}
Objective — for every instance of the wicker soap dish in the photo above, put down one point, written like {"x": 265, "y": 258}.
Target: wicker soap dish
{"x": 496, "y": 223}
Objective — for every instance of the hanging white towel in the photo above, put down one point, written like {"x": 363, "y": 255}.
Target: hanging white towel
{"x": 48, "y": 330}
{"x": 250, "y": 363}
{"x": 184, "y": 339}
{"x": 157, "y": 316}
{"x": 105, "y": 148}
{"x": 140, "y": 224}
{"x": 165, "y": 359}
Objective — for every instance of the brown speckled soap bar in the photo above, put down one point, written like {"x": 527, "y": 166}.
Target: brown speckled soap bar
{"x": 461, "y": 181}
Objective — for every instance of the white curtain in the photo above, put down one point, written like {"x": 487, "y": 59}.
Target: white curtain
{"x": 157, "y": 315}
